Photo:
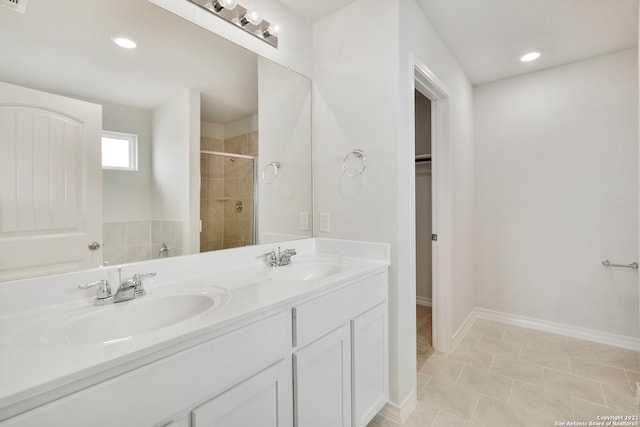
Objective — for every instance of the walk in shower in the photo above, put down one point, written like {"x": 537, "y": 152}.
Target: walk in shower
{"x": 227, "y": 195}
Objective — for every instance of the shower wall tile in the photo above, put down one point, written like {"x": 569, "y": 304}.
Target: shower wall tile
{"x": 253, "y": 144}
{"x": 169, "y": 232}
{"x": 237, "y": 145}
{"x": 211, "y": 144}
{"x": 114, "y": 255}
{"x": 138, "y": 233}
{"x": 138, "y": 253}
{"x": 114, "y": 234}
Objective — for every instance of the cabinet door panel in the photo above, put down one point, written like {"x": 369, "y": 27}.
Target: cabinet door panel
{"x": 322, "y": 381}
{"x": 370, "y": 372}
{"x": 263, "y": 400}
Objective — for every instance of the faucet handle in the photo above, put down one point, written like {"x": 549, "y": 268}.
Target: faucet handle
{"x": 290, "y": 252}
{"x": 103, "y": 291}
{"x": 137, "y": 280}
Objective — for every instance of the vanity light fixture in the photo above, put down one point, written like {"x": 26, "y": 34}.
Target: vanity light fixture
{"x": 249, "y": 20}
{"x": 531, "y": 56}
{"x": 125, "y": 42}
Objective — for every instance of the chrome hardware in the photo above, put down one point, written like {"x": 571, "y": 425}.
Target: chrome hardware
{"x": 239, "y": 206}
{"x": 434, "y": 237}
{"x": 354, "y": 163}
{"x": 270, "y": 172}
{"x": 608, "y": 263}
{"x": 131, "y": 288}
{"x": 164, "y": 251}
{"x": 278, "y": 259}
{"x": 103, "y": 291}
{"x": 94, "y": 246}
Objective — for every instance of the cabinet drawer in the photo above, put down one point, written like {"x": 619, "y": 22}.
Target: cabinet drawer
{"x": 315, "y": 318}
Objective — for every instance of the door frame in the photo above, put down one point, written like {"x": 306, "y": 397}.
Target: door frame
{"x": 427, "y": 83}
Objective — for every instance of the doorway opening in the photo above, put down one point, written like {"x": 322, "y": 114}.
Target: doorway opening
{"x": 424, "y": 234}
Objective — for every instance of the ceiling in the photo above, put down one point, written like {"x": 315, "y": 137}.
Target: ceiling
{"x": 489, "y": 36}
{"x": 65, "y": 47}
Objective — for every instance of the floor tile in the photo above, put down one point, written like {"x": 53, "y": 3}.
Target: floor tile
{"x": 447, "y": 420}
{"x": 620, "y": 399}
{"x": 485, "y": 382}
{"x": 619, "y": 358}
{"x": 572, "y": 385}
{"x": 423, "y": 379}
{"x": 634, "y": 378}
{"x": 504, "y": 348}
{"x": 438, "y": 366}
{"x": 522, "y": 371}
{"x": 458, "y": 401}
{"x": 475, "y": 358}
{"x": 468, "y": 343}
{"x": 598, "y": 372}
{"x": 495, "y": 413}
{"x": 526, "y": 336}
{"x": 489, "y": 328}
{"x": 546, "y": 358}
{"x": 572, "y": 347}
{"x": 587, "y": 411}
{"x": 542, "y": 401}
{"x": 423, "y": 416}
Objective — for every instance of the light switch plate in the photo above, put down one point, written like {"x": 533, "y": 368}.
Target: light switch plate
{"x": 325, "y": 222}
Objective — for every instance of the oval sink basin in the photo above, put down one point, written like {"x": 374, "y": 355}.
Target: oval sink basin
{"x": 116, "y": 323}
{"x": 306, "y": 270}
{"x": 120, "y": 322}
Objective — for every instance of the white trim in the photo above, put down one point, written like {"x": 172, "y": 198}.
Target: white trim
{"x": 463, "y": 329}
{"x": 398, "y": 413}
{"x": 426, "y": 302}
{"x": 426, "y": 82}
{"x": 632, "y": 343}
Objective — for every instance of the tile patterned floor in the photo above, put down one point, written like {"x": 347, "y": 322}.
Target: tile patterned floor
{"x": 503, "y": 375}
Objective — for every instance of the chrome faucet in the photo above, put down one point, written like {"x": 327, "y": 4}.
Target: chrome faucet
{"x": 278, "y": 259}
{"x": 128, "y": 290}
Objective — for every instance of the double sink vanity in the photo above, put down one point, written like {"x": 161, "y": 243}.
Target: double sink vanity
{"x": 225, "y": 338}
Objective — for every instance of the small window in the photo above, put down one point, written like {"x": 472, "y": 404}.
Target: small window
{"x": 119, "y": 151}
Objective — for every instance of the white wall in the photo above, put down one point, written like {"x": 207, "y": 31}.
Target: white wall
{"x": 284, "y": 132}
{"x": 363, "y": 99}
{"x": 126, "y": 194}
{"x": 557, "y": 192}
{"x": 176, "y": 164}
{"x": 294, "y": 48}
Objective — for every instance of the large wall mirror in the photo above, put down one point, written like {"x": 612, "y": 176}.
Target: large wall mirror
{"x": 207, "y": 145}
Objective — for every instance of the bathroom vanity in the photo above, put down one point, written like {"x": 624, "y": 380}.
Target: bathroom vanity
{"x": 219, "y": 339}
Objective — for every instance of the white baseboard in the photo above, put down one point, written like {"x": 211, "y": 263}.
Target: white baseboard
{"x": 427, "y": 302}
{"x": 463, "y": 329}
{"x": 558, "y": 328}
{"x": 398, "y": 413}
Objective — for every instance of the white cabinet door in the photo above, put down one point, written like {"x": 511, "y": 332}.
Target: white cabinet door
{"x": 263, "y": 400}
{"x": 50, "y": 183}
{"x": 370, "y": 372}
{"x": 322, "y": 381}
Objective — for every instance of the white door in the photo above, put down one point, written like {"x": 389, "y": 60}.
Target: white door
{"x": 322, "y": 381}
{"x": 50, "y": 183}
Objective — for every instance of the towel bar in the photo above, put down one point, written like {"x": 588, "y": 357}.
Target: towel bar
{"x": 608, "y": 263}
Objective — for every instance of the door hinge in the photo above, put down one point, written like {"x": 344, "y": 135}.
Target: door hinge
{"x": 434, "y": 237}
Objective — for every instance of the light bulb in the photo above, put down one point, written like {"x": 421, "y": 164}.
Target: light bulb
{"x": 531, "y": 56}
{"x": 218, "y": 5}
{"x": 251, "y": 17}
{"x": 273, "y": 30}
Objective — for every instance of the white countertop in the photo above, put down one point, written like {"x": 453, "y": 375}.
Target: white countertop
{"x": 33, "y": 372}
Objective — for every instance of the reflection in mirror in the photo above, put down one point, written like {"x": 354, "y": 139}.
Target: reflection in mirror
{"x": 208, "y": 118}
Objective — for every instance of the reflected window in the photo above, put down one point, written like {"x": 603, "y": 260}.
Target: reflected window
{"x": 119, "y": 151}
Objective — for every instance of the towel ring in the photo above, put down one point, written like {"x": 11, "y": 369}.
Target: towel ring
{"x": 270, "y": 172}
{"x": 354, "y": 163}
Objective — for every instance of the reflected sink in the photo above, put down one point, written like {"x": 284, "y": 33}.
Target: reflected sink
{"x": 116, "y": 323}
{"x": 306, "y": 270}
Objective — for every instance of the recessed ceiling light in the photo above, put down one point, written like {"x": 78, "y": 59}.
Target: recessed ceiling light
{"x": 124, "y": 42}
{"x": 531, "y": 56}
